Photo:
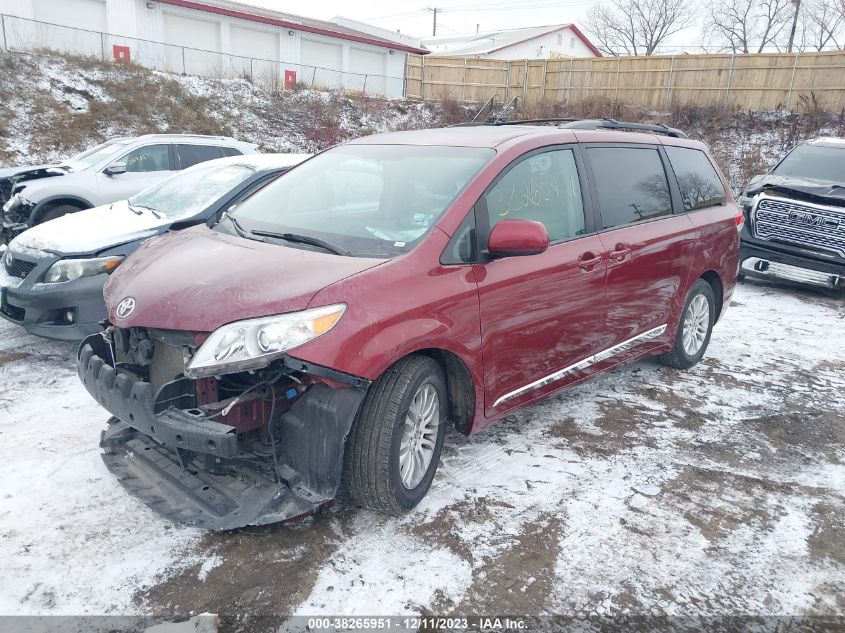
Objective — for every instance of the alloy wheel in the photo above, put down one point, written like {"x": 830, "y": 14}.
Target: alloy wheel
{"x": 419, "y": 436}
{"x": 696, "y": 324}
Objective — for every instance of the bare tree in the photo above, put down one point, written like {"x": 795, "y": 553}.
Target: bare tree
{"x": 637, "y": 27}
{"x": 745, "y": 26}
{"x": 821, "y": 25}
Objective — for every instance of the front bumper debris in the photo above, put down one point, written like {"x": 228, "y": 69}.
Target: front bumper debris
{"x": 201, "y": 472}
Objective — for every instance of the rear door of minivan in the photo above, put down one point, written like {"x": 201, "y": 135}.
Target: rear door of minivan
{"x": 649, "y": 247}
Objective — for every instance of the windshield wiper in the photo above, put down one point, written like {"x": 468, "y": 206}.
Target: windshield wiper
{"x": 306, "y": 239}
{"x": 249, "y": 235}
{"x": 133, "y": 207}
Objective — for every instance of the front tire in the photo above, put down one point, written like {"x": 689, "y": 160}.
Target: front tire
{"x": 394, "y": 445}
{"x": 694, "y": 329}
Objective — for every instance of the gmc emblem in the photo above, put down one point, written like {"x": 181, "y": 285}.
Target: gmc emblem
{"x": 814, "y": 219}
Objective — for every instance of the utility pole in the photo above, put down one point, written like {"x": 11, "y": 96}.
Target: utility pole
{"x": 434, "y": 11}
{"x": 797, "y": 4}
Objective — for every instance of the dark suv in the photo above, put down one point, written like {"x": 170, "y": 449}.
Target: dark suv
{"x": 796, "y": 218}
{"x": 329, "y": 328}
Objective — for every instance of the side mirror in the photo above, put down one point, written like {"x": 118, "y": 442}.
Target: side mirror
{"x": 115, "y": 170}
{"x": 518, "y": 237}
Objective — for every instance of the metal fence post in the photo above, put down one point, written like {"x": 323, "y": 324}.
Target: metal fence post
{"x": 365, "y": 85}
{"x": 669, "y": 86}
{"x": 103, "y": 45}
{"x": 616, "y": 93}
{"x": 730, "y": 78}
{"x": 545, "y": 74}
{"x": 184, "y": 68}
{"x": 525, "y": 84}
{"x": 464, "y": 86}
{"x": 5, "y": 41}
{"x": 792, "y": 81}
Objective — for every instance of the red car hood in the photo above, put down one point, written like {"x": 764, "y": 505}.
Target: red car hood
{"x": 198, "y": 279}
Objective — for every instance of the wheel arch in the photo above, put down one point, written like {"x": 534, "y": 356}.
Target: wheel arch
{"x": 460, "y": 385}
{"x": 715, "y": 281}
{"x": 48, "y": 203}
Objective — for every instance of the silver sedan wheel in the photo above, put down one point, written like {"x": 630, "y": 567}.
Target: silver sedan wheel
{"x": 419, "y": 436}
{"x": 696, "y": 324}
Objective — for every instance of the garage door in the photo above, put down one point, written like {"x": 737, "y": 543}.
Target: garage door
{"x": 79, "y": 14}
{"x": 197, "y": 36}
{"x": 259, "y": 45}
{"x": 367, "y": 70}
{"x": 321, "y": 63}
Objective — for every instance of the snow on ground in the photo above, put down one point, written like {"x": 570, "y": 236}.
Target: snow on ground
{"x": 647, "y": 491}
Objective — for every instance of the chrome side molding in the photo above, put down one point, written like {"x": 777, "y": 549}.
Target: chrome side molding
{"x": 584, "y": 364}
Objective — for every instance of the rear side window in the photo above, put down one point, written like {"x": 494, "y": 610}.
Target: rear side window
{"x": 190, "y": 155}
{"x": 231, "y": 151}
{"x": 631, "y": 184}
{"x": 543, "y": 187}
{"x": 699, "y": 183}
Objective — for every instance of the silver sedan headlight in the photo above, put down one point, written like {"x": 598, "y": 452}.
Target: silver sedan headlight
{"x": 253, "y": 343}
{"x": 70, "y": 269}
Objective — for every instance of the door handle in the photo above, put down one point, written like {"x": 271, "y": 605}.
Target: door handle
{"x": 588, "y": 262}
{"x": 620, "y": 252}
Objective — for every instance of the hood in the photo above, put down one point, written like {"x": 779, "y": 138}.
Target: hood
{"x": 32, "y": 170}
{"x": 198, "y": 279}
{"x": 823, "y": 190}
{"x": 92, "y": 230}
{"x": 10, "y": 176}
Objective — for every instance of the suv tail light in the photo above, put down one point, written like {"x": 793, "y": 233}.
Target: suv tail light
{"x": 739, "y": 218}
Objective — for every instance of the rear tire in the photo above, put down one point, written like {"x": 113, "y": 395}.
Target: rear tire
{"x": 56, "y": 212}
{"x": 694, "y": 329}
{"x": 380, "y": 469}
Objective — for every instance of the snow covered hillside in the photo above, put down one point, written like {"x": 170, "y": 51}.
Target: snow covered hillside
{"x": 52, "y": 106}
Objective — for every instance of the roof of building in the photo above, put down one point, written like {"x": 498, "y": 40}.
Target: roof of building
{"x": 491, "y": 41}
{"x": 291, "y": 21}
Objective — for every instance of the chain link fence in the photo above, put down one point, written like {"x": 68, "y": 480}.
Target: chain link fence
{"x": 25, "y": 35}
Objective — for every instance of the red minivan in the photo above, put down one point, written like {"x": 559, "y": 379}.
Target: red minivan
{"x": 327, "y": 330}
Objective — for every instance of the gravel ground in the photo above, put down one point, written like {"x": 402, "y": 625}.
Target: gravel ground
{"x": 648, "y": 491}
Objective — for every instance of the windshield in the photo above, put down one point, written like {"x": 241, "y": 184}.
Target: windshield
{"x": 94, "y": 155}
{"x": 370, "y": 200}
{"x": 816, "y": 162}
{"x": 189, "y": 192}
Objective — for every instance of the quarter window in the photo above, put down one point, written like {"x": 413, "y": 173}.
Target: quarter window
{"x": 631, "y": 184}
{"x": 190, "y": 155}
{"x": 543, "y": 187}
{"x": 699, "y": 183}
{"x": 148, "y": 158}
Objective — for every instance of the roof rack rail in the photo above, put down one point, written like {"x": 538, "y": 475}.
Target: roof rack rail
{"x": 613, "y": 124}
{"x": 588, "y": 124}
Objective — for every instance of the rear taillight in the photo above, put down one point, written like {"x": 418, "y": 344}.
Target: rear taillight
{"x": 740, "y": 219}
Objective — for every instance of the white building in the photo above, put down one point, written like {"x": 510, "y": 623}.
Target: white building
{"x": 213, "y": 38}
{"x": 537, "y": 42}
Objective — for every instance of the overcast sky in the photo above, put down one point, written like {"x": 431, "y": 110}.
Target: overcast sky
{"x": 457, "y": 16}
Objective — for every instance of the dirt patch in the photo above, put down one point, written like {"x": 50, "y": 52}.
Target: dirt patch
{"x": 262, "y": 571}
{"x": 519, "y": 579}
{"x": 11, "y": 357}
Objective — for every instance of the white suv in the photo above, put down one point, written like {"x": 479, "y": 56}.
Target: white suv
{"x": 112, "y": 171}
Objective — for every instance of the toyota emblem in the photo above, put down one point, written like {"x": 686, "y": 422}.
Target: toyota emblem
{"x": 125, "y": 308}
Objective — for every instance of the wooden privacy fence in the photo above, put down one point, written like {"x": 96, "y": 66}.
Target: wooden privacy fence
{"x": 752, "y": 81}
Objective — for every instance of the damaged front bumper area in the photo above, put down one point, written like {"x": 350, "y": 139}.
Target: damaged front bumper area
{"x": 201, "y": 452}
{"x": 14, "y": 218}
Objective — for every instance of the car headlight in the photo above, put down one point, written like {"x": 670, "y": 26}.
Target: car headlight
{"x": 13, "y": 202}
{"x": 70, "y": 269}
{"x": 253, "y": 343}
